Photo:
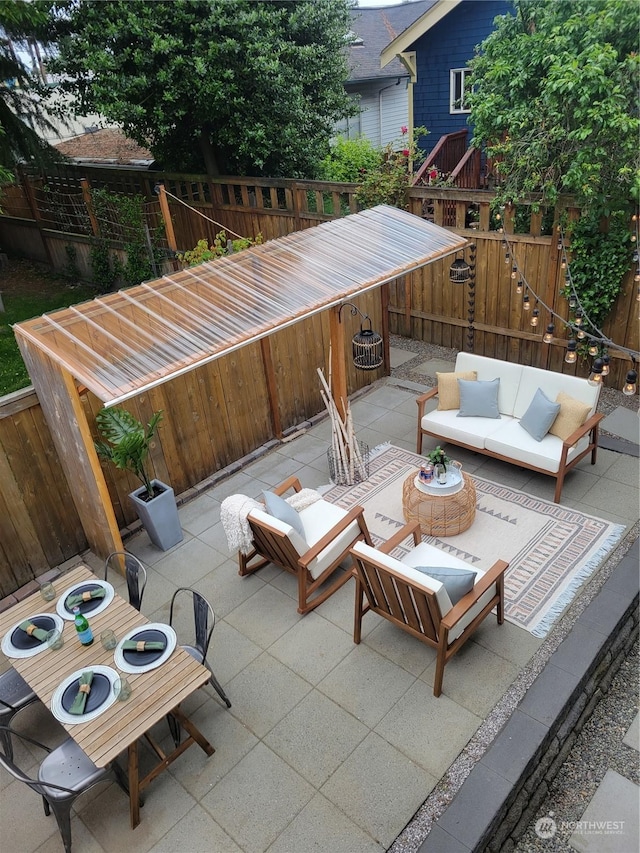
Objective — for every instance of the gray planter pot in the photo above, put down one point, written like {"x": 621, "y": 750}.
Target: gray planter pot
{"x": 159, "y": 516}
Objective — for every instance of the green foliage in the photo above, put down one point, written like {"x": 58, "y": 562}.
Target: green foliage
{"x": 349, "y": 159}
{"x": 555, "y": 100}
{"x": 121, "y": 217}
{"x": 71, "y": 267}
{"x": 23, "y": 96}
{"x": 103, "y": 273}
{"x": 220, "y": 246}
{"x": 127, "y": 442}
{"x": 599, "y": 261}
{"x": 387, "y": 182}
{"x": 236, "y": 88}
{"x": 438, "y": 457}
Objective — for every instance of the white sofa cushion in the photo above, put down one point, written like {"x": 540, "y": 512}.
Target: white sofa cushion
{"x": 512, "y": 441}
{"x": 492, "y": 368}
{"x": 470, "y": 431}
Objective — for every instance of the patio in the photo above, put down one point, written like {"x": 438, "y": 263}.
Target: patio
{"x": 328, "y": 746}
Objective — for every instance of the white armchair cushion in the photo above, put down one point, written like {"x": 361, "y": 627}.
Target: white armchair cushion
{"x": 317, "y": 520}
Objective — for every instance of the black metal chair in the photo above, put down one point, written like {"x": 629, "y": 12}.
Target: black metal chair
{"x": 15, "y": 694}
{"x": 135, "y": 573}
{"x": 67, "y": 763}
{"x": 204, "y": 621}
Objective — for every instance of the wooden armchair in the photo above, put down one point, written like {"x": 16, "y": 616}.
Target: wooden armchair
{"x": 419, "y": 604}
{"x": 329, "y": 533}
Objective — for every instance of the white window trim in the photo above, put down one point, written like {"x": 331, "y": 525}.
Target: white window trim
{"x": 453, "y": 73}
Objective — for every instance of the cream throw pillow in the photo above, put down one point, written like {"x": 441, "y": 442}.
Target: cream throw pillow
{"x": 573, "y": 413}
{"x": 448, "y": 391}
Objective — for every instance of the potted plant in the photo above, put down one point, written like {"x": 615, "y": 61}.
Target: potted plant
{"x": 439, "y": 457}
{"x": 126, "y": 443}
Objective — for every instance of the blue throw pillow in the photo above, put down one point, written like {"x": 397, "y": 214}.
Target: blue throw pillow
{"x": 540, "y": 415}
{"x": 457, "y": 582}
{"x": 280, "y": 509}
{"x": 479, "y": 399}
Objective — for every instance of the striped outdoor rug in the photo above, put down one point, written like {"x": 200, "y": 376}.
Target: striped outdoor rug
{"x": 551, "y": 549}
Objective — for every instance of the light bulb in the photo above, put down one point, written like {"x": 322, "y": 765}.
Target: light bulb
{"x": 593, "y": 349}
{"x": 563, "y": 264}
{"x": 578, "y": 320}
{"x": 548, "y": 335}
{"x": 514, "y": 272}
{"x": 507, "y": 258}
{"x": 581, "y": 334}
{"x": 630, "y": 386}
{"x": 595, "y": 377}
{"x": 572, "y": 302}
{"x": 571, "y": 356}
{"x": 605, "y": 365}
{"x": 534, "y": 317}
{"x": 525, "y": 302}
{"x": 519, "y": 287}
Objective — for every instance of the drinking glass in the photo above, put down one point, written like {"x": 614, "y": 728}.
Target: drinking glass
{"x": 55, "y": 640}
{"x": 122, "y": 689}
{"x": 47, "y": 591}
{"x": 108, "y": 639}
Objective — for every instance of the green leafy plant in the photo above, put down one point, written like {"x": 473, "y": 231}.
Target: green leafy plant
{"x": 349, "y": 159}
{"x": 388, "y": 182}
{"x": 103, "y": 273}
{"x": 438, "y": 457}
{"x": 221, "y": 246}
{"x": 127, "y": 443}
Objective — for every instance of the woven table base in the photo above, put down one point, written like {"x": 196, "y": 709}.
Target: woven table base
{"x": 439, "y": 515}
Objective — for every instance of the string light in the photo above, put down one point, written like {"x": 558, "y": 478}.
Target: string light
{"x": 571, "y": 356}
{"x": 595, "y": 377}
{"x": 580, "y": 326}
{"x": 631, "y": 385}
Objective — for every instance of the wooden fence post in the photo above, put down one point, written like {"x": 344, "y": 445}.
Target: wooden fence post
{"x": 166, "y": 216}
{"x": 86, "y": 197}
{"x": 35, "y": 211}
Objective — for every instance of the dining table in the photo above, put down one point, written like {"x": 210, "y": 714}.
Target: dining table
{"x": 156, "y": 693}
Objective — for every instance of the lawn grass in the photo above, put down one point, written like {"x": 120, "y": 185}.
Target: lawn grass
{"x": 55, "y": 292}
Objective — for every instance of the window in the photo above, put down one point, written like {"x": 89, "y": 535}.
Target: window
{"x": 459, "y": 87}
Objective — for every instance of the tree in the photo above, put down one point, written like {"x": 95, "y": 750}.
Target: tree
{"x": 555, "y": 100}
{"x": 246, "y": 87}
{"x": 22, "y": 95}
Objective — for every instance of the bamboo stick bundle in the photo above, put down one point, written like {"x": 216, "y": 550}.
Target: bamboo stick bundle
{"x": 345, "y": 448}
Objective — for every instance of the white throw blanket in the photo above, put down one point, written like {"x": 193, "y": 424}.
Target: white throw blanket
{"x": 235, "y": 509}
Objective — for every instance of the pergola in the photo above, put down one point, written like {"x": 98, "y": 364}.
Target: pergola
{"x": 122, "y": 344}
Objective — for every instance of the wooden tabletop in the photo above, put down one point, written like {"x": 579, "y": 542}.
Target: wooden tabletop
{"x": 154, "y": 693}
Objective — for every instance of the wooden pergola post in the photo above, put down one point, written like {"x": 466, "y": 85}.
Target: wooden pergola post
{"x": 338, "y": 363}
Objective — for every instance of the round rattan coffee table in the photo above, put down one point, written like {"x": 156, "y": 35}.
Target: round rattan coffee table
{"x": 440, "y": 515}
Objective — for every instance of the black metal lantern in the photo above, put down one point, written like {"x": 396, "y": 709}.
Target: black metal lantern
{"x": 367, "y": 348}
{"x": 460, "y": 271}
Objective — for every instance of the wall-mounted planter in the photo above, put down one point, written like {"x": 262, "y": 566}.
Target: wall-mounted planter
{"x": 159, "y": 516}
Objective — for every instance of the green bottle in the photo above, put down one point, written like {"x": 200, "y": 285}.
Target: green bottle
{"x": 85, "y": 634}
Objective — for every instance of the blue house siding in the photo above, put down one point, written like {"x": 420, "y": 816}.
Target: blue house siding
{"x": 449, "y": 44}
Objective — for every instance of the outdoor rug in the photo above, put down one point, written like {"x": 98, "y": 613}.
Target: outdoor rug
{"x": 551, "y": 549}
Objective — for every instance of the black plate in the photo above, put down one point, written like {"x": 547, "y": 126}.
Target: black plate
{"x": 145, "y": 658}
{"x": 85, "y": 606}
{"x": 100, "y": 689}
{"x": 21, "y": 640}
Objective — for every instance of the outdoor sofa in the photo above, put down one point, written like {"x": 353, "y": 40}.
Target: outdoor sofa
{"x": 534, "y": 418}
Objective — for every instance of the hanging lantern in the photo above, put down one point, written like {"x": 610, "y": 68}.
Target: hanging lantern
{"x": 459, "y": 271}
{"x": 367, "y": 348}
{"x": 548, "y": 335}
{"x": 605, "y": 365}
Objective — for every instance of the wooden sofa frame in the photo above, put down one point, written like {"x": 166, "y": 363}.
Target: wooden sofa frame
{"x": 591, "y": 427}
{"x": 414, "y": 608}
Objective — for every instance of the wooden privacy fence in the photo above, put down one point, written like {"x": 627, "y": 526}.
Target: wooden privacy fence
{"x": 218, "y": 413}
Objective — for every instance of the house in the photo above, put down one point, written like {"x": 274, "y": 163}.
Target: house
{"x": 409, "y": 66}
{"x": 382, "y": 93}
{"x": 436, "y": 48}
